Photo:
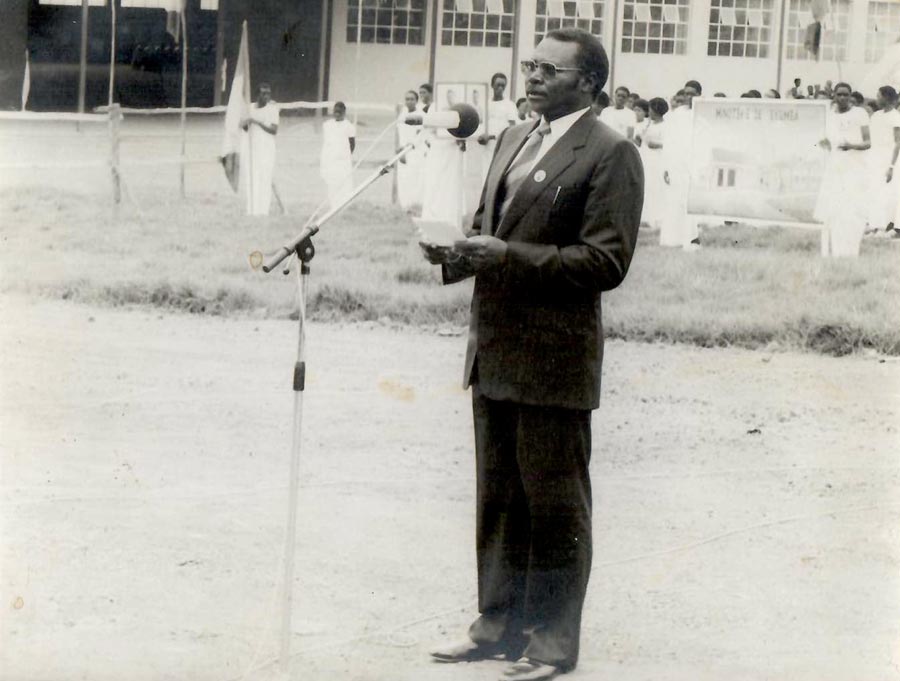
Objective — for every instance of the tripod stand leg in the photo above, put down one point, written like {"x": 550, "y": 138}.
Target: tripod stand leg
{"x": 290, "y": 536}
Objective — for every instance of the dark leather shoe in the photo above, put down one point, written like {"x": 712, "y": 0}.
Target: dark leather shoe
{"x": 468, "y": 651}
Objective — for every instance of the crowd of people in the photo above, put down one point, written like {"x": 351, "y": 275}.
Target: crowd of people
{"x": 858, "y": 194}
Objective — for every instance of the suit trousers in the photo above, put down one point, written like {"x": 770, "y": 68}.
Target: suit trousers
{"x": 533, "y": 527}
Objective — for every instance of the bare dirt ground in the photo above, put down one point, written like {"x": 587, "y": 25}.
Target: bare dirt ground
{"x": 746, "y": 505}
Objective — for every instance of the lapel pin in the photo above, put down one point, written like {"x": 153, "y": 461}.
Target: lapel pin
{"x": 539, "y": 176}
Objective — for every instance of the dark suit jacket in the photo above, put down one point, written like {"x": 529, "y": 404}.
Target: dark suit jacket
{"x": 536, "y": 335}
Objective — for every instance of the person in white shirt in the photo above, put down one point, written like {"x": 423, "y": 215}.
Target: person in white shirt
{"x": 501, "y": 114}
{"x": 619, "y": 117}
{"x": 651, "y": 156}
{"x": 676, "y": 228}
{"x": 841, "y": 207}
{"x": 409, "y": 169}
{"x": 336, "y": 163}
{"x": 259, "y": 146}
{"x": 885, "y": 131}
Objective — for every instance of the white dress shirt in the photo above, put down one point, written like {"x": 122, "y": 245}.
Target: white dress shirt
{"x": 558, "y": 128}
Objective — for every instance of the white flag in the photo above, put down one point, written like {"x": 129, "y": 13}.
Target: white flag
{"x": 26, "y": 81}
{"x": 237, "y": 110}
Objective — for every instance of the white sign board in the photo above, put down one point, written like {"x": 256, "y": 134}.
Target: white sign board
{"x": 757, "y": 160}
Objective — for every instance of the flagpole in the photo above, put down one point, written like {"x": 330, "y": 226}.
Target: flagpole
{"x": 184, "y": 72}
{"x": 82, "y": 65}
{"x": 112, "y": 50}
{"x": 356, "y": 69}
{"x": 26, "y": 80}
{"x": 779, "y": 73}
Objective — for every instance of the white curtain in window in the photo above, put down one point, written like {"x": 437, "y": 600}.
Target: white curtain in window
{"x": 494, "y": 6}
{"x": 585, "y": 9}
{"x": 464, "y": 6}
{"x": 727, "y": 16}
{"x": 642, "y": 12}
{"x": 670, "y": 14}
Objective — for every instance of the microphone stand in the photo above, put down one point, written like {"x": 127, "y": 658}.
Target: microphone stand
{"x": 302, "y": 245}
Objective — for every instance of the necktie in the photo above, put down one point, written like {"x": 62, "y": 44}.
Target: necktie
{"x": 520, "y": 167}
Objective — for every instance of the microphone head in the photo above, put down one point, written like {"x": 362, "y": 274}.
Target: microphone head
{"x": 468, "y": 120}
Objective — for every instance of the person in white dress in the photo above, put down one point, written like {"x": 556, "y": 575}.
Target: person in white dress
{"x": 651, "y": 154}
{"x": 258, "y": 147}
{"x": 336, "y": 162}
{"x": 885, "y": 131}
{"x": 841, "y": 205}
{"x": 676, "y": 228}
{"x": 501, "y": 114}
{"x": 410, "y": 167}
{"x": 619, "y": 117}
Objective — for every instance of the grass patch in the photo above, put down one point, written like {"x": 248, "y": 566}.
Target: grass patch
{"x": 748, "y": 287}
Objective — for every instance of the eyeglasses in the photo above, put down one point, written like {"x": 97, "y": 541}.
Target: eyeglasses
{"x": 548, "y": 69}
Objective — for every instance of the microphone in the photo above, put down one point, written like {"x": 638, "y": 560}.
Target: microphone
{"x": 460, "y": 120}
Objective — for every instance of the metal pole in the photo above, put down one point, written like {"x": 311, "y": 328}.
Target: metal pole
{"x": 356, "y": 68}
{"x": 184, "y": 72}
{"x": 779, "y": 73}
{"x": 612, "y": 51}
{"x": 290, "y": 536}
{"x": 514, "y": 67}
{"x": 82, "y": 67}
{"x": 220, "y": 54}
{"x": 115, "y": 116}
{"x": 112, "y": 50}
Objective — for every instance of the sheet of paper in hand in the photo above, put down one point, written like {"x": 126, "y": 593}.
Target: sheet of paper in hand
{"x": 438, "y": 233}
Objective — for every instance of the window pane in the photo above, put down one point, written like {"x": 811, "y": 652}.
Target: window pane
{"x": 505, "y": 40}
{"x": 477, "y": 39}
{"x": 491, "y": 39}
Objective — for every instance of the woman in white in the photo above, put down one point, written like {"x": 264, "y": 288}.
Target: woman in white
{"x": 885, "y": 129}
{"x": 651, "y": 154}
{"x": 841, "y": 206}
{"x": 259, "y": 150}
{"x": 336, "y": 164}
{"x": 410, "y": 167}
{"x": 675, "y": 226}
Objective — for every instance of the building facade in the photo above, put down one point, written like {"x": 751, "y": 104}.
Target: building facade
{"x": 374, "y": 50}
{"x": 654, "y": 45}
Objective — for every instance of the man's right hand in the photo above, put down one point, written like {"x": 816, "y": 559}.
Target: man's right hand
{"x": 436, "y": 255}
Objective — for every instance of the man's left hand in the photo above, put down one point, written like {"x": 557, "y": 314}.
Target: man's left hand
{"x": 482, "y": 251}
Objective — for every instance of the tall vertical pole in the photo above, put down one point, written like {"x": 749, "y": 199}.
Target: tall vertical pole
{"x": 115, "y": 116}
{"x": 82, "y": 67}
{"x": 436, "y": 10}
{"x": 612, "y": 51}
{"x": 356, "y": 68}
{"x": 184, "y": 73}
{"x": 112, "y": 50}
{"x": 514, "y": 67}
{"x": 781, "y": 30}
{"x": 220, "y": 54}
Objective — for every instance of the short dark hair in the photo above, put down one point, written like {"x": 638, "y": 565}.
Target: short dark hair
{"x": 602, "y": 98}
{"x": 413, "y": 93}
{"x": 889, "y": 93}
{"x": 643, "y": 105}
{"x": 696, "y": 85}
{"x": 592, "y": 59}
{"x": 842, "y": 84}
{"x": 752, "y": 94}
{"x": 796, "y": 81}
{"x": 339, "y": 105}
{"x": 659, "y": 105}
{"x": 858, "y": 97}
{"x": 520, "y": 100}
{"x": 775, "y": 93}
{"x": 427, "y": 87}
{"x": 498, "y": 75}
{"x": 720, "y": 94}
{"x": 624, "y": 89}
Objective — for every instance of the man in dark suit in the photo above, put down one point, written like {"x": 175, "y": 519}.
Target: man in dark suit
{"x": 557, "y": 225}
